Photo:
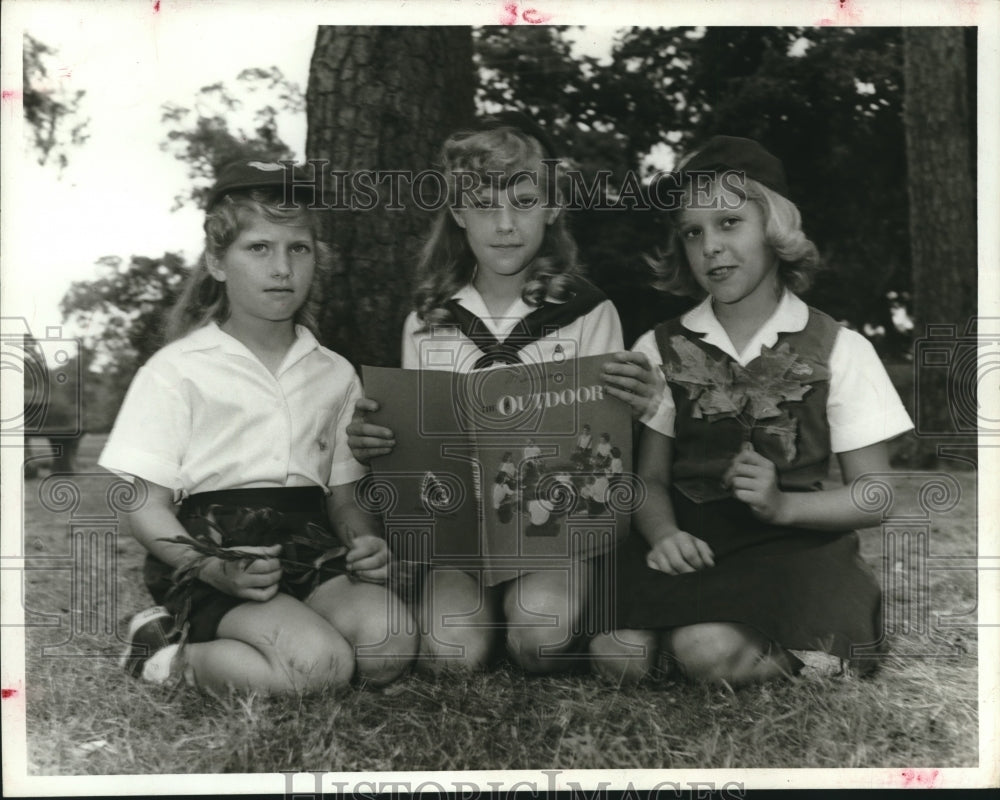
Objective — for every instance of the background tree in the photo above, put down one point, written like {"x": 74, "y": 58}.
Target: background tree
{"x": 121, "y": 314}
{"x": 380, "y": 98}
{"x": 54, "y": 124}
{"x": 940, "y": 147}
{"x": 120, "y": 318}
{"x": 201, "y": 136}
{"x": 828, "y": 100}
{"x": 52, "y": 113}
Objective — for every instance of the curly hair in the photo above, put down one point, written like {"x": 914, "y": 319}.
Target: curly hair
{"x": 447, "y": 262}
{"x": 798, "y": 258}
{"x": 204, "y": 298}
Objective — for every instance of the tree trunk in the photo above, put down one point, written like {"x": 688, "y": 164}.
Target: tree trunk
{"x": 380, "y": 98}
{"x": 940, "y": 149}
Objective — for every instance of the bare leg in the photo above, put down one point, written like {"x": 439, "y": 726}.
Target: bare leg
{"x": 543, "y": 611}
{"x": 280, "y": 645}
{"x": 375, "y": 623}
{"x": 724, "y": 651}
{"x": 459, "y": 622}
{"x": 624, "y": 656}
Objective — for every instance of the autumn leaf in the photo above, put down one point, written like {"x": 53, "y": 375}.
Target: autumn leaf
{"x": 785, "y": 428}
{"x": 722, "y": 402}
{"x": 721, "y": 389}
{"x": 708, "y": 381}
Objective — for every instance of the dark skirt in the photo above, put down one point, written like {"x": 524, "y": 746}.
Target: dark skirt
{"x": 804, "y": 589}
{"x": 295, "y": 518}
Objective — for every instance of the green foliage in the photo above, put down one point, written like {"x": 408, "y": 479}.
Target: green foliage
{"x": 120, "y": 317}
{"x": 49, "y": 109}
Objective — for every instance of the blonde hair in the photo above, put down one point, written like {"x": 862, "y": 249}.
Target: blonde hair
{"x": 446, "y": 261}
{"x": 798, "y": 258}
{"x": 204, "y": 299}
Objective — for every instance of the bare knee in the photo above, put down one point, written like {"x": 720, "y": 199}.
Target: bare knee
{"x": 456, "y": 649}
{"x": 459, "y": 624}
{"x": 386, "y": 643}
{"x": 543, "y": 620}
{"x": 316, "y": 662}
{"x": 539, "y": 649}
{"x": 717, "y": 652}
{"x": 623, "y": 656}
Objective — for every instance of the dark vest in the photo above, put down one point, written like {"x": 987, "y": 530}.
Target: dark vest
{"x": 549, "y": 316}
{"x": 703, "y": 449}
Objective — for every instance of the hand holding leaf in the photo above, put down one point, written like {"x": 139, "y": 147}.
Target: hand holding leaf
{"x": 753, "y": 480}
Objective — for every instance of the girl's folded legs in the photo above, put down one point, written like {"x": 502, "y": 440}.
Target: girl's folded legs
{"x": 459, "y": 623}
{"x": 279, "y": 645}
{"x": 625, "y": 655}
{"x": 465, "y": 622}
{"x": 714, "y": 652}
{"x": 543, "y": 610}
{"x": 374, "y": 621}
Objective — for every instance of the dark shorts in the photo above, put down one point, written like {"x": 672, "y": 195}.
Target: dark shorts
{"x": 293, "y": 517}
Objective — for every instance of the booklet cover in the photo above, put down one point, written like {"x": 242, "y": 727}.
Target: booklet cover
{"x": 505, "y": 470}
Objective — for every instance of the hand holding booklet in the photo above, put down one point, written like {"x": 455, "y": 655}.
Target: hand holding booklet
{"x": 505, "y": 470}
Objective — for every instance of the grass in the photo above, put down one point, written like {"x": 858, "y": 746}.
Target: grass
{"x": 85, "y": 717}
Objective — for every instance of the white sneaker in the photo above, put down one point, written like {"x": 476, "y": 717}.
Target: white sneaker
{"x": 152, "y": 645}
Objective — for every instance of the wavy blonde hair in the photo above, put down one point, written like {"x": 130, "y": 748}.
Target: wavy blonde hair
{"x": 798, "y": 258}
{"x": 446, "y": 261}
{"x": 204, "y": 299}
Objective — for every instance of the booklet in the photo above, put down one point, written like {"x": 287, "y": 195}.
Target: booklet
{"x": 502, "y": 471}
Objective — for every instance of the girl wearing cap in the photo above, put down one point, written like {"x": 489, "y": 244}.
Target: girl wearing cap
{"x": 500, "y": 271}
{"x": 242, "y": 418}
{"x": 744, "y": 566}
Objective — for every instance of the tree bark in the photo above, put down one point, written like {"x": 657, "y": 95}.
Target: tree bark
{"x": 380, "y": 98}
{"x": 940, "y": 149}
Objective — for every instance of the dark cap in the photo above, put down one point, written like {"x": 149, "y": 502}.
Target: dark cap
{"x": 258, "y": 175}
{"x": 523, "y": 123}
{"x": 732, "y": 153}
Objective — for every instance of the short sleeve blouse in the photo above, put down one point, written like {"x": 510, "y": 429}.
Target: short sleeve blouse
{"x": 204, "y": 414}
{"x": 863, "y": 407}
{"x": 597, "y": 332}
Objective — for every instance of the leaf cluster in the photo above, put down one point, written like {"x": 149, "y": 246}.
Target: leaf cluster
{"x": 249, "y": 528}
{"x": 121, "y": 313}
{"x": 827, "y": 100}
{"x": 201, "y": 136}
{"x": 723, "y": 389}
{"x": 51, "y": 111}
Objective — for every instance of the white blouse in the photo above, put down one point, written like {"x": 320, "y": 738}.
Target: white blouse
{"x": 447, "y": 348}
{"x": 862, "y": 408}
{"x": 204, "y": 414}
